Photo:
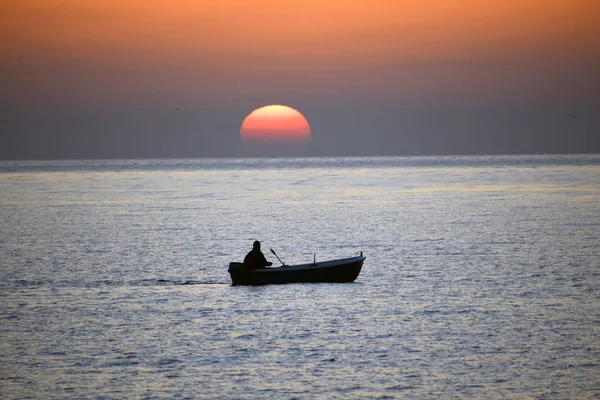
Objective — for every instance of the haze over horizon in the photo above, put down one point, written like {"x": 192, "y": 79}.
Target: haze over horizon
{"x": 175, "y": 79}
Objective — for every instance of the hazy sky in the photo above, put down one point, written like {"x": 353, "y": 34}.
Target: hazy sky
{"x": 176, "y": 78}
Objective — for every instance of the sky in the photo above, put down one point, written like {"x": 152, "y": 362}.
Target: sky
{"x": 176, "y": 78}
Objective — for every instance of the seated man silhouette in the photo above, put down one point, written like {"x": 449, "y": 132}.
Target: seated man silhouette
{"x": 255, "y": 259}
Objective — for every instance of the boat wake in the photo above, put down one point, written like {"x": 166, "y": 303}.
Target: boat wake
{"x": 30, "y": 284}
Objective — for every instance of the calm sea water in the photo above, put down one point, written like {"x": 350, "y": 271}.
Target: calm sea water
{"x": 482, "y": 278}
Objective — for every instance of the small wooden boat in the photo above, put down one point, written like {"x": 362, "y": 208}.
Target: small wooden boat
{"x": 335, "y": 271}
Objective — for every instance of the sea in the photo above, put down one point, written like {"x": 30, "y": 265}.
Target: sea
{"x": 481, "y": 278}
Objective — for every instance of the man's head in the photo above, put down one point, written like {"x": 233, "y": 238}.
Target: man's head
{"x": 256, "y": 245}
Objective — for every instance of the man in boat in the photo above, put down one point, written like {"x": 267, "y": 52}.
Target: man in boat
{"x": 255, "y": 259}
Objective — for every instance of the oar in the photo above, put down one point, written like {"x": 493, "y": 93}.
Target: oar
{"x": 273, "y": 251}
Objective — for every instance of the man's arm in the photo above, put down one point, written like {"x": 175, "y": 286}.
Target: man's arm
{"x": 265, "y": 262}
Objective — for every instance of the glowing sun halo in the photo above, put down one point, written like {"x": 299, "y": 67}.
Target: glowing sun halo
{"x": 275, "y": 124}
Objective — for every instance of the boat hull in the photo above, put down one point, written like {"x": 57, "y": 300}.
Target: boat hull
{"x": 333, "y": 271}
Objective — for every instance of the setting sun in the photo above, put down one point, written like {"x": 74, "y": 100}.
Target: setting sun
{"x": 275, "y": 123}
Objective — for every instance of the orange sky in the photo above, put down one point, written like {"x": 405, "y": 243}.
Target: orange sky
{"x": 74, "y": 71}
{"x": 326, "y": 42}
{"x": 294, "y": 30}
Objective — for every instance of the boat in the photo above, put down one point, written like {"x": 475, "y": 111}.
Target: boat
{"x": 334, "y": 271}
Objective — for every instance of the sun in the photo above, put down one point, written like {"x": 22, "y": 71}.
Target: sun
{"x": 275, "y": 124}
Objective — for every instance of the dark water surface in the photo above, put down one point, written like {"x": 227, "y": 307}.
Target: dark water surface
{"x": 482, "y": 278}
